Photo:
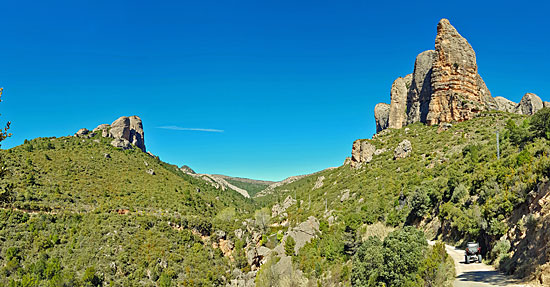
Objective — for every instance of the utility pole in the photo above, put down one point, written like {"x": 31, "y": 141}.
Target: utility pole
{"x": 498, "y": 146}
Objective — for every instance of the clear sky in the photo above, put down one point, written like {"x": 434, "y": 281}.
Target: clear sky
{"x": 284, "y": 87}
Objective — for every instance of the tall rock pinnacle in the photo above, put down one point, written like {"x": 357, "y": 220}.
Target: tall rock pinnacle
{"x": 444, "y": 87}
{"x": 458, "y": 92}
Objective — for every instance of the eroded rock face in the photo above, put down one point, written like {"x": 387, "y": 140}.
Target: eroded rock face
{"x": 398, "y": 104}
{"x": 304, "y": 232}
{"x": 529, "y": 104}
{"x": 125, "y": 131}
{"x": 382, "y": 116}
{"x": 505, "y": 105}
{"x": 278, "y": 209}
{"x": 362, "y": 152}
{"x": 130, "y": 129}
{"x": 458, "y": 93}
{"x": 444, "y": 87}
{"x": 420, "y": 91}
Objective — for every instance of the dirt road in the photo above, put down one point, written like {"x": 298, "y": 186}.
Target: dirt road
{"x": 477, "y": 274}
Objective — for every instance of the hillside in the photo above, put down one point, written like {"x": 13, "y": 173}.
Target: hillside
{"x": 77, "y": 209}
{"x": 451, "y": 184}
{"x": 252, "y": 186}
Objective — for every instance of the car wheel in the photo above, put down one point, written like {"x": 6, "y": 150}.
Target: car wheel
{"x": 479, "y": 258}
{"x": 467, "y": 259}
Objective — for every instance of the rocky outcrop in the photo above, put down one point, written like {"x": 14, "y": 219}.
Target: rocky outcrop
{"x": 444, "y": 87}
{"x": 279, "y": 209}
{"x": 457, "y": 89}
{"x": 362, "y": 152}
{"x": 403, "y": 150}
{"x": 82, "y": 133}
{"x": 420, "y": 91}
{"x": 505, "y": 105}
{"x": 319, "y": 183}
{"x": 215, "y": 180}
{"x": 130, "y": 129}
{"x": 304, "y": 232}
{"x": 125, "y": 131}
{"x": 398, "y": 104}
{"x": 529, "y": 104}
{"x": 187, "y": 169}
{"x": 382, "y": 116}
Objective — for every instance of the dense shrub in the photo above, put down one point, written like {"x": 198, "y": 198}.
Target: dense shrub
{"x": 395, "y": 262}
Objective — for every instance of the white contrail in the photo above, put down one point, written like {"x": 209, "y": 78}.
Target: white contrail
{"x": 176, "y": 128}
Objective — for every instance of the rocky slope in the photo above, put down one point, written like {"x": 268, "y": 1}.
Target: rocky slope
{"x": 444, "y": 87}
{"x": 215, "y": 180}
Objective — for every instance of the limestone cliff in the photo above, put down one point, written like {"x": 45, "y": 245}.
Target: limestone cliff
{"x": 444, "y": 87}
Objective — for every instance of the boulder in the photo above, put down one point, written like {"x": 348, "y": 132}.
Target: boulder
{"x": 130, "y": 129}
{"x": 382, "y": 116}
{"x": 82, "y": 133}
{"x": 529, "y": 104}
{"x": 403, "y": 150}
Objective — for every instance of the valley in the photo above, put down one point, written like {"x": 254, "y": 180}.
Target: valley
{"x": 449, "y": 164}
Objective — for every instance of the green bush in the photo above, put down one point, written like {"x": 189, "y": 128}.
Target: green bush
{"x": 540, "y": 123}
{"x": 394, "y": 262}
{"x": 368, "y": 263}
{"x": 438, "y": 268}
{"x": 290, "y": 243}
{"x": 420, "y": 203}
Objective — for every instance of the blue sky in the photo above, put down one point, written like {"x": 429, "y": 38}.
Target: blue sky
{"x": 283, "y": 87}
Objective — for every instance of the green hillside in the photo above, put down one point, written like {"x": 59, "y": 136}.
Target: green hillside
{"x": 78, "y": 212}
{"x": 75, "y": 210}
{"x": 452, "y": 186}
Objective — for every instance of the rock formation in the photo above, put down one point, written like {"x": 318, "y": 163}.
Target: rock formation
{"x": 362, "y": 152}
{"x": 529, "y": 104}
{"x": 382, "y": 116}
{"x": 398, "y": 104}
{"x": 130, "y": 129}
{"x": 505, "y": 105}
{"x": 125, "y": 131}
{"x": 82, "y": 133}
{"x": 458, "y": 92}
{"x": 444, "y": 87}
{"x": 403, "y": 150}
{"x": 420, "y": 90}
